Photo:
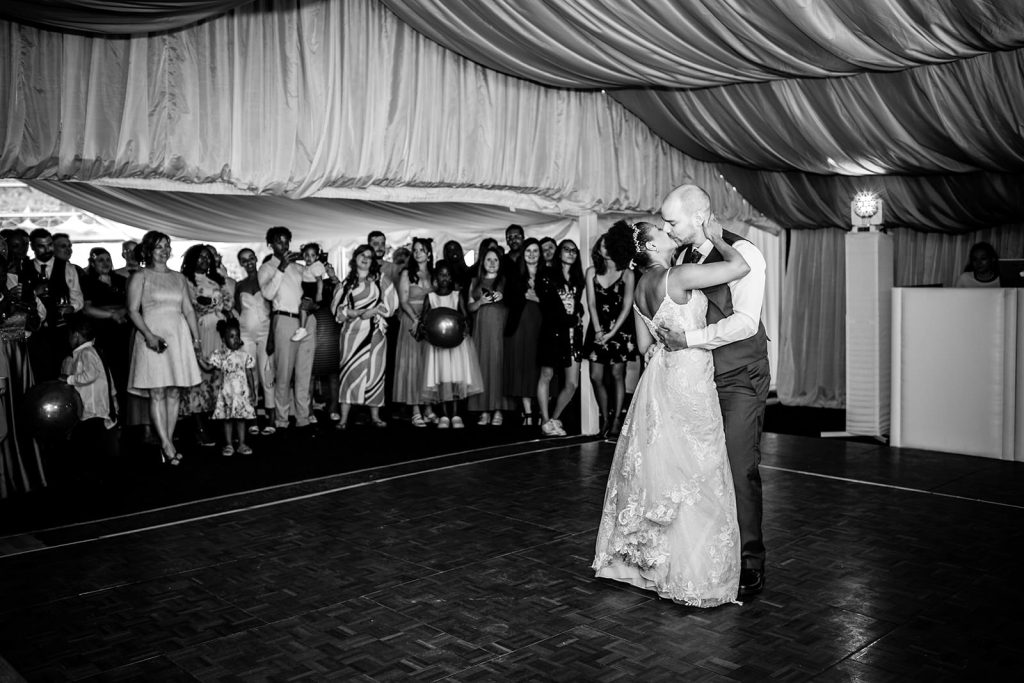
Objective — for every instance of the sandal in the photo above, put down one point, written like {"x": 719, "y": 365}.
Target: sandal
{"x": 172, "y": 459}
{"x": 227, "y": 451}
{"x": 341, "y": 426}
{"x": 244, "y": 449}
{"x": 254, "y": 430}
{"x": 269, "y": 430}
{"x": 418, "y": 421}
{"x": 379, "y": 423}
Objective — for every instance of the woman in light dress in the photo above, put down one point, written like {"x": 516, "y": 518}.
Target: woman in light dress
{"x": 669, "y": 519}
{"x": 413, "y": 287}
{"x": 253, "y": 312}
{"x": 362, "y": 303}
{"x": 167, "y": 338}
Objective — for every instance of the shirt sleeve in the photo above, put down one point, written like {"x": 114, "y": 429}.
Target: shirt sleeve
{"x": 747, "y": 299}
{"x": 270, "y": 279}
{"x": 86, "y": 371}
{"x": 74, "y": 287}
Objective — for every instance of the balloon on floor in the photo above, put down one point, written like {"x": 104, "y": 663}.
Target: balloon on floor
{"x": 51, "y": 409}
{"x": 444, "y": 327}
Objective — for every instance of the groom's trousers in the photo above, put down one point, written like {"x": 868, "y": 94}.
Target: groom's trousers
{"x": 743, "y": 393}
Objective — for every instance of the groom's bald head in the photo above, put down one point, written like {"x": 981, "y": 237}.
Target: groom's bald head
{"x": 685, "y": 210}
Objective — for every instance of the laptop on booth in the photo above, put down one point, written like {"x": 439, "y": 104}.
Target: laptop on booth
{"x": 1011, "y": 272}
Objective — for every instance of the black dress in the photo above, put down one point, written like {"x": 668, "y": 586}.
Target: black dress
{"x": 621, "y": 348}
{"x": 113, "y": 339}
{"x": 561, "y": 332}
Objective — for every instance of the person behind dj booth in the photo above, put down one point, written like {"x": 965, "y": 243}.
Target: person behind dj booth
{"x": 57, "y": 287}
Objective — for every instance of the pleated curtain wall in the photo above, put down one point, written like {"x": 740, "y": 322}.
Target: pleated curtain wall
{"x": 790, "y": 106}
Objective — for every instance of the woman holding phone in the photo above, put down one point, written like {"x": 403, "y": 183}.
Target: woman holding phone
{"x": 167, "y": 338}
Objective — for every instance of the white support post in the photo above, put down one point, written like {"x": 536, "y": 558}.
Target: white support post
{"x": 589, "y": 232}
{"x": 869, "y": 279}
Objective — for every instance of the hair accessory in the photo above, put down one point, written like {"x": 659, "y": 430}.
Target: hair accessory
{"x": 637, "y": 232}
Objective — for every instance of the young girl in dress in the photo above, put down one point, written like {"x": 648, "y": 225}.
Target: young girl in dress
{"x": 450, "y": 374}
{"x": 235, "y": 401}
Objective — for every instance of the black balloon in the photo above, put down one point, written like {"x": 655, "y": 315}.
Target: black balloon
{"x": 444, "y": 327}
{"x": 51, "y": 409}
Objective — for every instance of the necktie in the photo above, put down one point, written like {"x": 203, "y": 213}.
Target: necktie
{"x": 42, "y": 271}
{"x": 694, "y": 256}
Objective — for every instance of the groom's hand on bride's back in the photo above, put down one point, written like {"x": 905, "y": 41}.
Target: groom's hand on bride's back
{"x": 674, "y": 340}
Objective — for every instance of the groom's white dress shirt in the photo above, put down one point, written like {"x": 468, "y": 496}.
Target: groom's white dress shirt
{"x": 747, "y": 299}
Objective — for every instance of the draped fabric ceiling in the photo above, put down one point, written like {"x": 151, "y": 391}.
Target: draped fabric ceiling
{"x": 801, "y": 103}
{"x": 794, "y": 103}
{"x": 328, "y": 99}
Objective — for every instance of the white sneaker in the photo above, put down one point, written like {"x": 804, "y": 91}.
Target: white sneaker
{"x": 444, "y": 423}
{"x": 300, "y": 334}
{"x": 549, "y": 428}
{"x": 312, "y": 419}
{"x": 457, "y": 422}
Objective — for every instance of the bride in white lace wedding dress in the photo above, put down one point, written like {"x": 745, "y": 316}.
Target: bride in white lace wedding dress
{"x": 669, "y": 519}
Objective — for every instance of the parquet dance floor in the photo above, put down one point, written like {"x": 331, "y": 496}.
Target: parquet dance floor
{"x": 883, "y": 565}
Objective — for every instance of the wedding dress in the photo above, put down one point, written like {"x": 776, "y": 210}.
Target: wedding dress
{"x": 669, "y": 519}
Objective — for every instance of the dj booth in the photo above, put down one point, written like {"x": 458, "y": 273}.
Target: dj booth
{"x": 958, "y": 371}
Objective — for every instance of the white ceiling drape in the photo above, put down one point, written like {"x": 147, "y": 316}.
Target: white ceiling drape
{"x": 702, "y": 43}
{"x": 325, "y": 99}
{"x": 114, "y": 16}
{"x": 233, "y": 217}
{"x": 915, "y": 98}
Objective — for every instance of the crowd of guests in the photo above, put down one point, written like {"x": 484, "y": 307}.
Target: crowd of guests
{"x": 146, "y": 345}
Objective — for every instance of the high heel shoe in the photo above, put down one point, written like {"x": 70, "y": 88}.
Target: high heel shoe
{"x": 173, "y": 458}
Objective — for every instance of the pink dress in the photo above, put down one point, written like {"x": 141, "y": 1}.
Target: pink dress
{"x": 450, "y": 374}
{"x": 162, "y": 295}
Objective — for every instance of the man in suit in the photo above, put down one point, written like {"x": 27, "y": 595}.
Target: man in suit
{"x": 55, "y": 283}
{"x": 740, "y": 348}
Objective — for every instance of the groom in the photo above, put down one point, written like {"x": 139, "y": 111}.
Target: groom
{"x": 740, "y": 349}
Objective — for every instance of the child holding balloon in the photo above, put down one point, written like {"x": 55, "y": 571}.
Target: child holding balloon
{"x": 450, "y": 373}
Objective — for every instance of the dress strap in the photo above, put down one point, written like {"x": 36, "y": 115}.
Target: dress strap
{"x": 667, "y": 271}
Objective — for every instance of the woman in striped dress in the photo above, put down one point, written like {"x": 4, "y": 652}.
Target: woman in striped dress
{"x": 361, "y": 304}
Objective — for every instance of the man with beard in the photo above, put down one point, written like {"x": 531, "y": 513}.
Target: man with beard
{"x": 56, "y": 285}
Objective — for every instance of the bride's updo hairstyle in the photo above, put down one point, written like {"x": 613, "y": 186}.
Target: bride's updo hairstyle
{"x": 626, "y": 242}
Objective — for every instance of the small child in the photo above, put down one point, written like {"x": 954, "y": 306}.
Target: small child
{"x": 236, "y": 400}
{"x": 88, "y": 374}
{"x": 450, "y": 374}
{"x": 312, "y": 284}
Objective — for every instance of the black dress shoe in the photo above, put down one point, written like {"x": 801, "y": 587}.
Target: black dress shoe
{"x": 751, "y": 582}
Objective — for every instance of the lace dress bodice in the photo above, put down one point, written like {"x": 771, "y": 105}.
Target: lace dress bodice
{"x": 693, "y": 365}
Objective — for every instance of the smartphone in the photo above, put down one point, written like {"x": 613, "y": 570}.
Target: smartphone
{"x": 322, "y": 257}
{"x": 161, "y": 346}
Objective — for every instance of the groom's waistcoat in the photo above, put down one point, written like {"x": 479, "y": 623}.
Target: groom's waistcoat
{"x": 736, "y": 354}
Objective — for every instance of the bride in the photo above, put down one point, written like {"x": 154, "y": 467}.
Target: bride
{"x": 669, "y": 518}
